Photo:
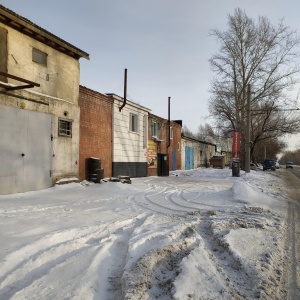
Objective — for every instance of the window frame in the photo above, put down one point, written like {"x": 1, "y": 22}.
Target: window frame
{"x": 65, "y": 131}
{"x": 171, "y": 133}
{"x": 133, "y": 122}
{"x": 154, "y": 128}
{"x": 39, "y": 53}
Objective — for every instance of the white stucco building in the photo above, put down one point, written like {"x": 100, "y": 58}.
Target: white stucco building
{"x": 39, "y": 112}
{"x": 130, "y": 136}
{"x": 195, "y": 153}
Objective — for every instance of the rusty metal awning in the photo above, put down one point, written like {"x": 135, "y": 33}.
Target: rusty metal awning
{"x": 30, "y": 84}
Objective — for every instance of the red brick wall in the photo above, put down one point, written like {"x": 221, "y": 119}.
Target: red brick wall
{"x": 163, "y": 145}
{"x": 95, "y": 138}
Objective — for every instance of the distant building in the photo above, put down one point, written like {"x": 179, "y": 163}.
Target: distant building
{"x": 196, "y": 153}
{"x": 161, "y": 158}
{"x": 39, "y": 112}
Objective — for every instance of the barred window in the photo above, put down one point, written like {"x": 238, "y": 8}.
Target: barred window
{"x": 65, "y": 128}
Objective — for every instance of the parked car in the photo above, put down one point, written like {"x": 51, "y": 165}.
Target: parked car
{"x": 269, "y": 164}
{"x": 277, "y": 165}
{"x": 253, "y": 166}
{"x": 289, "y": 164}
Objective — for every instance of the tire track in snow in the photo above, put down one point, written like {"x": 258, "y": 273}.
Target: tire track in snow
{"x": 151, "y": 276}
{"x": 144, "y": 199}
{"x": 62, "y": 251}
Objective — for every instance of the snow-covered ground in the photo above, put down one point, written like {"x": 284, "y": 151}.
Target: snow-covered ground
{"x": 199, "y": 234}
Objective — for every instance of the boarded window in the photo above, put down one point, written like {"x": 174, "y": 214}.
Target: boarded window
{"x": 65, "y": 128}
{"x": 39, "y": 57}
{"x": 133, "y": 122}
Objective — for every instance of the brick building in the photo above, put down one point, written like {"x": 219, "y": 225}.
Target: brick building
{"x": 162, "y": 159}
{"x": 95, "y": 138}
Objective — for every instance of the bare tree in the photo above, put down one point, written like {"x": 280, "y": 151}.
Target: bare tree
{"x": 206, "y": 133}
{"x": 293, "y": 156}
{"x": 266, "y": 57}
{"x": 186, "y": 132}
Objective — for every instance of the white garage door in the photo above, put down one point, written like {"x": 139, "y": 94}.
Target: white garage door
{"x": 25, "y": 150}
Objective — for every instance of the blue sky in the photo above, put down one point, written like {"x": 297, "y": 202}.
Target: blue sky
{"x": 164, "y": 44}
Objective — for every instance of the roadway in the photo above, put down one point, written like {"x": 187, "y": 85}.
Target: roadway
{"x": 292, "y": 183}
{"x": 295, "y": 171}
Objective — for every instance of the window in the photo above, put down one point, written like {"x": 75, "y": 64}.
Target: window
{"x": 39, "y": 57}
{"x": 171, "y": 133}
{"x": 64, "y": 128}
{"x": 133, "y": 122}
{"x": 145, "y": 131}
{"x": 154, "y": 128}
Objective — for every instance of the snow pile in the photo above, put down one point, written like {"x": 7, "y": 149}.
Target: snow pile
{"x": 199, "y": 234}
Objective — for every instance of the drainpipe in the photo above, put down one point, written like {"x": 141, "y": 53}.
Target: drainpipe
{"x": 169, "y": 123}
{"x": 125, "y": 90}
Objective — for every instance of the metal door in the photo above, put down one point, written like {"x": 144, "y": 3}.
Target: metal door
{"x": 162, "y": 165}
{"x": 173, "y": 160}
{"x": 189, "y": 158}
{"x": 26, "y": 150}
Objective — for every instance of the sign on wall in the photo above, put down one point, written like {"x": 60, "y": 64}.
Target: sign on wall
{"x": 152, "y": 154}
{"x": 236, "y": 144}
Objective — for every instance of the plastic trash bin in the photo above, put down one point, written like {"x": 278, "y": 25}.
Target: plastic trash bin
{"x": 235, "y": 168}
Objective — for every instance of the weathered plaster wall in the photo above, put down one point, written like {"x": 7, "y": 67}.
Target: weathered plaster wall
{"x": 202, "y": 152}
{"x": 60, "y": 78}
{"x": 65, "y": 149}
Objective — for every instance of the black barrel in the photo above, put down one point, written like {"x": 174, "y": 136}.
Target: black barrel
{"x": 94, "y": 172}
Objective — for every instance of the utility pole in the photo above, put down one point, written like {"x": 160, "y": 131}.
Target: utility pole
{"x": 247, "y": 144}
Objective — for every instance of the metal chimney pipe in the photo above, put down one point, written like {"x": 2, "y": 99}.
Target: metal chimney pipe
{"x": 125, "y": 90}
{"x": 169, "y": 123}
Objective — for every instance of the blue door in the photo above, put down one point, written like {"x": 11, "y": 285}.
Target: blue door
{"x": 189, "y": 158}
{"x": 173, "y": 160}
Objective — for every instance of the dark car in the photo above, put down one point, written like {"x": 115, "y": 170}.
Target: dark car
{"x": 289, "y": 164}
{"x": 269, "y": 164}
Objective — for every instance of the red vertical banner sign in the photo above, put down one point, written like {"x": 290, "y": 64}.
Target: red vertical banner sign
{"x": 236, "y": 144}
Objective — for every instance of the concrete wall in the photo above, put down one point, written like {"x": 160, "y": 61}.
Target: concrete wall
{"x": 57, "y": 95}
{"x": 65, "y": 149}
{"x": 60, "y": 78}
{"x": 202, "y": 152}
{"x": 95, "y": 130}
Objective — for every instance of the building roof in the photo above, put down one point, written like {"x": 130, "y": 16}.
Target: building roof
{"x": 25, "y": 26}
{"x": 197, "y": 141}
{"x": 165, "y": 120}
{"x": 121, "y": 99}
